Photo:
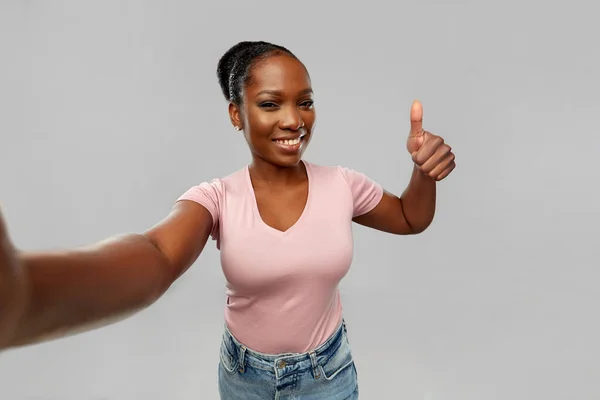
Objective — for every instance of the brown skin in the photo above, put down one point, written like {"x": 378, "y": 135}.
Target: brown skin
{"x": 45, "y": 295}
{"x": 280, "y": 183}
{"x": 66, "y": 292}
{"x": 13, "y": 288}
{"x": 413, "y": 212}
{"x": 278, "y": 104}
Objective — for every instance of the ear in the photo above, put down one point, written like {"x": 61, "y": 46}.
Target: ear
{"x": 235, "y": 116}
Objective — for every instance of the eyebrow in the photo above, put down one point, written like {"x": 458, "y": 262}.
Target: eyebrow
{"x": 280, "y": 93}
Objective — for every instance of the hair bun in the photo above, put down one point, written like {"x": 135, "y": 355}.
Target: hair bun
{"x": 234, "y": 66}
{"x": 226, "y": 64}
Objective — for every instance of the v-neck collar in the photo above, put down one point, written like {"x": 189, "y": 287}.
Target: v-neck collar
{"x": 257, "y": 212}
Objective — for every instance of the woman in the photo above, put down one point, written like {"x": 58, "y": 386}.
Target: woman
{"x": 283, "y": 227}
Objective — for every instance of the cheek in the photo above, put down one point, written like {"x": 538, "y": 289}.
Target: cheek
{"x": 260, "y": 120}
{"x": 260, "y": 127}
{"x": 257, "y": 138}
{"x": 309, "y": 117}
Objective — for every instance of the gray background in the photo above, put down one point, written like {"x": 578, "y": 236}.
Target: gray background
{"x": 111, "y": 109}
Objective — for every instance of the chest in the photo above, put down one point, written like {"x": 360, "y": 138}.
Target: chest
{"x": 281, "y": 209}
{"x": 302, "y": 238}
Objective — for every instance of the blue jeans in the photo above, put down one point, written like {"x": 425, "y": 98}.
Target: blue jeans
{"x": 328, "y": 372}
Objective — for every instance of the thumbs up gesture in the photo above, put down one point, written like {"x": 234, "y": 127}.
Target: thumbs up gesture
{"x": 431, "y": 155}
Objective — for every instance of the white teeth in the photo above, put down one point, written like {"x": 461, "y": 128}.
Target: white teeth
{"x": 289, "y": 142}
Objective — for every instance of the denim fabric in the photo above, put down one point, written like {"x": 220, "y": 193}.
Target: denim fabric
{"x": 328, "y": 372}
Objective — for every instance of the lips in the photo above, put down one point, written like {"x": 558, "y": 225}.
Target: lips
{"x": 289, "y": 145}
{"x": 288, "y": 142}
{"x": 290, "y": 137}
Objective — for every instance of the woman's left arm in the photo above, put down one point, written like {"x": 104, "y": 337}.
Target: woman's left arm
{"x": 413, "y": 211}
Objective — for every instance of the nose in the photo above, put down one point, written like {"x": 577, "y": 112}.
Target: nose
{"x": 291, "y": 119}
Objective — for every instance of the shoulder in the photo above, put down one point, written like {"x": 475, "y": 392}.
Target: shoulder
{"x": 365, "y": 193}
{"x": 210, "y": 193}
{"x": 350, "y": 176}
{"x": 220, "y": 184}
{"x": 320, "y": 170}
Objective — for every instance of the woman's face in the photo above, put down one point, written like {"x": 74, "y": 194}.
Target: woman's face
{"x": 277, "y": 113}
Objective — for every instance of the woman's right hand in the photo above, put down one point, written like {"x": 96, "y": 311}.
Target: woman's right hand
{"x": 13, "y": 287}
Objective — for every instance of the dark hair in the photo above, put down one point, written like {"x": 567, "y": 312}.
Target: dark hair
{"x": 234, "y": 67}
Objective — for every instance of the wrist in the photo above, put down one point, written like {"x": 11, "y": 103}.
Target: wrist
{"x": 419, "y": 174}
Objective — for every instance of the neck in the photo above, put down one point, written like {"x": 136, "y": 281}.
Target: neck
{"x": 264, "y": 172}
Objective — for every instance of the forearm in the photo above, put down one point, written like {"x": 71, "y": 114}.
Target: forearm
{"x": 418, "y": 201}
{"x": 79, "y": 289}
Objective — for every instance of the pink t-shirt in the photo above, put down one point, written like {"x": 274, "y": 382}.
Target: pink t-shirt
{"x": 282, "y": 287}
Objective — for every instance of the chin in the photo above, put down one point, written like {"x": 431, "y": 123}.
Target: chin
{"x": 287, "y": 162}
{"x": 286, "y": 157}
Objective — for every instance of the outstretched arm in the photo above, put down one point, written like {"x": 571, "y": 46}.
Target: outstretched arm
{"x": 413, "y": 211}
{"x": 54, "y": 294}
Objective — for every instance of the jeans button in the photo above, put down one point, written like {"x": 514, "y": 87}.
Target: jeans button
{"x": 281, "y": 364}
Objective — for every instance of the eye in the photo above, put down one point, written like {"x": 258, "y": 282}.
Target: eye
{"x": 307, "y": 104}
{"x": 267, "y": 104}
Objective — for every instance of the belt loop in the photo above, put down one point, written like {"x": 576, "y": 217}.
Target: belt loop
{"x": 241, "y": 360}
{"x": 315, "y": 365}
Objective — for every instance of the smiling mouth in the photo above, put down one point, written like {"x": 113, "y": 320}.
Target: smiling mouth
{"x": 289, "y": 144}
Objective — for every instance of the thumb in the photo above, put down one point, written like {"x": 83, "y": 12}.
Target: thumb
{"x": 416, "y": 119}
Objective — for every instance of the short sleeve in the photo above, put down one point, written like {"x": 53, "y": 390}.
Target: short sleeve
{"x": 366, "y": 193}
{"x": 207, "y": 194}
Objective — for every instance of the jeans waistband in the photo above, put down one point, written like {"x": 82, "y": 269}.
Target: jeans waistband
{"x": 285, "y": 363}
